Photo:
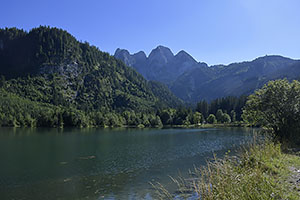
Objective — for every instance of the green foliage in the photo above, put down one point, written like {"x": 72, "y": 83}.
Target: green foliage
{"x": 276, "y": 106}
{"x": 222, "y": 117}
{"x": 225, "y": 118}
{"x": 16, "y": 111}
{"x": 203, "y": 107}
{"x": 167, "y": 116}
{"x": 164, "y": 94}
{"x": 49, "y": 65}
{"x": 155, "y": 121}
{"x": 182, "y": 116}
{"x": 226, "y": 104}
{"x": 233, "y": 116}
{"x": 211, "y": 119}
{"x": 219, "y": 115}
{"x": 197, "y": 118}
{"x": 259, "y": 173}
{"x": 24, "y": 53}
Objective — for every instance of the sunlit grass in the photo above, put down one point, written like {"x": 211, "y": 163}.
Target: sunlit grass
{"x": 260, "y": 172}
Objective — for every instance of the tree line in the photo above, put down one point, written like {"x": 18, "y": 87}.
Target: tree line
{"x": 223, "y": 110}
{"x": 275, "y": 107}
{"x": 16, "y": 111}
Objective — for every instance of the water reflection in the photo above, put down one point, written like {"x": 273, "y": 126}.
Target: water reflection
{"x": 103, "y": 163}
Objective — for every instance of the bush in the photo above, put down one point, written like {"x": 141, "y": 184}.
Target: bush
{"x": 276, "y": 106}
{"x": 211, "y": 119}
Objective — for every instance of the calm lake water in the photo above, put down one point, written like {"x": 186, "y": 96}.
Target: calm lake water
{"x": 104, "y": 163}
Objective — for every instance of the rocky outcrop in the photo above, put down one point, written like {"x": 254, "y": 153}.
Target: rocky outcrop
{"x": 71, "y": 70}
{"x": 161, "y": 64}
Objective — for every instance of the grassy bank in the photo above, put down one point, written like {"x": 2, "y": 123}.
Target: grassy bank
{"x": 261, "y": 172}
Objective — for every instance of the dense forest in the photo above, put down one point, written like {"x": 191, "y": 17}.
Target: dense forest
{"x": 16, "y": 111}
{"x": 48, "y": 78}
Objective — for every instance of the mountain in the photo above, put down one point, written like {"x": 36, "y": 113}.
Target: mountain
{"x": 48, "y": 65}
{"x": 193, "y": 81}
{"x": 234, "y": 79}
{"x": 161, "y": 64}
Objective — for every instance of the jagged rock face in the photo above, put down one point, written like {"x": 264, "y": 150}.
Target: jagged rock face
{"x": 124, "y": 55}
{"x": 160, "y": 55}
{"x": 71, "y": 70}
{"x": 68, "y": 72}
{"x": 185, "y": 62}
{"x": 161, "y": 65}
{"x": 193, "y": 81}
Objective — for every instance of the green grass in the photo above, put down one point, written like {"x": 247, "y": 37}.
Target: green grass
{"x": 261, "y": 172}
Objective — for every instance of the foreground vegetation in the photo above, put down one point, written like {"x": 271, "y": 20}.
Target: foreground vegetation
{"x": 261, "y": 172}
{"x": 276, "y": 107}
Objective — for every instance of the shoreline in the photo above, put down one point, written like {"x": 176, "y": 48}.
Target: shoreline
{"x": 262, "y": 171}
{"x": 217, "y": 125}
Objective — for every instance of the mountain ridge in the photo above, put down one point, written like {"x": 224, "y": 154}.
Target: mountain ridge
{"x": 193, "y": 81}
{"x": 162, "y": 61}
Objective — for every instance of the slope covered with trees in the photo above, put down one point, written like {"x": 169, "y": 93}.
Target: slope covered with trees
{"x": 48, "y": 66}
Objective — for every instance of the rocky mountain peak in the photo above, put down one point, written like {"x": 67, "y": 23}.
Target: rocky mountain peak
{"x": 182, "y": 55}
{"x": 161, "y": 64}
{"x": 124, "y": 55}
{"x": 121, "y": 52}
{"x": 140, "y": 55}
{"x": 161, "y": 54}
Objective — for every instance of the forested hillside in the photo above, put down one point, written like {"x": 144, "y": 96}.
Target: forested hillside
{"x": 48, "y": 65}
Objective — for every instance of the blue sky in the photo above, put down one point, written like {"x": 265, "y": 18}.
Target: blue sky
{"x": 213, "y": 31}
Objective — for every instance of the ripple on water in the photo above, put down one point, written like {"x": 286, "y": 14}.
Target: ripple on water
{"x": 103, "y": 164}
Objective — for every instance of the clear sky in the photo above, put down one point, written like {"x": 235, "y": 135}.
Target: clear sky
{"x": 213, "y": 31}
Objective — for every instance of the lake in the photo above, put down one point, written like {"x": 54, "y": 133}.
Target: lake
{"x": 104, "y": 163}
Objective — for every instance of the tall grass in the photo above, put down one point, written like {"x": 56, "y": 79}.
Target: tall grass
{"x": 258, "y": 173}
